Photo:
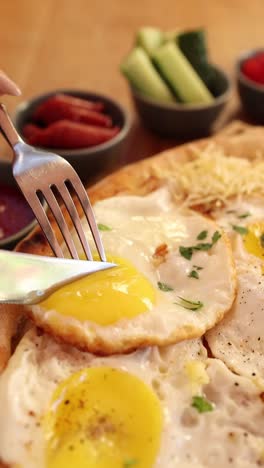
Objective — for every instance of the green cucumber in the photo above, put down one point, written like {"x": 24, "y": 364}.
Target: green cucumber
{"x": 183, "y": 79}
{"x": 193, "y": 46}
{"x": 149, "y": 39}
{"x": 139, "y": 70}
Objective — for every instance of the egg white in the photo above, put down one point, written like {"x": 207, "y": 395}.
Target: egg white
{"x": 238, "y": 340}
{"x": 241, "y": 213}
{"x": 138, "y": 226}
{"x": 232, "y": 430}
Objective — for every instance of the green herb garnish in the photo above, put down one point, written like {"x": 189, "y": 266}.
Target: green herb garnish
{"x": 201, "y": 404}
{"x": 193, "y": 274}
{"x": 216, "y": 236}
{"x": 197, "y": 267}
{"x": 164, "y": 287}
{"x": 262, "y": 240}
{"x": 186, "y": 252}
{"x": 190, "y": 305}
{"x": 203, "y": 246}
{"x": 202, "y": 235}
{"x": 103, "y": 227}
{"x": 244, "y": 215}
{"x": 240, "y": 229}
{"x": 130, "y": 462}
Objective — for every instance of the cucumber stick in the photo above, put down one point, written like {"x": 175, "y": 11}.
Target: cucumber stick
{"x": 149, "y": 39}
{"x": 193, "y": 46}
{"x": 141, "y": 73}
{"x": 180, "y": 75}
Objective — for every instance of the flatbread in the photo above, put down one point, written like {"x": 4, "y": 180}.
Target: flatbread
{"x": 237, "y": 139}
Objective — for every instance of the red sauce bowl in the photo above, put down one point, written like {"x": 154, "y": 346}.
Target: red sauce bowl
{"x": 16, "y": 217}
{"x": 250, "y": 92}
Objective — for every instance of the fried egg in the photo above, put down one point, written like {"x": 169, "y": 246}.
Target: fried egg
{"x": 154, "y": 408}
{"x": 238, "y": 340}
{"x": 166, "y": 286}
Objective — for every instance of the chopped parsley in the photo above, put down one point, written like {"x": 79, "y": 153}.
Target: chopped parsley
{"x": 164, "y": 287}
{"x": 216, "y": 236}
{"x": 130, "y": 462}
{"x": 103, "y": 227}
{"x": 203, "y": 246}
{"x": 202, "y": 235}
{"x": 193, "y": 274}
{"x": 244, "y": 215}
{"x": 190, "y": 305}
{"x": 201, "y": 404}
{"x": 187, "y": 252}
{"x": 240, "y": 229}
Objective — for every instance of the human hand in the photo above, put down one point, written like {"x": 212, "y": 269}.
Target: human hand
{"x": 7, "y": 86}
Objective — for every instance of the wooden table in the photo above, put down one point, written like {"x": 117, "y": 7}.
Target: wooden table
{"x": 80, "y": 44}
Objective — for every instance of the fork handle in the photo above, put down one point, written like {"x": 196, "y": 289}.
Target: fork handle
{"x": 7, "y": 128}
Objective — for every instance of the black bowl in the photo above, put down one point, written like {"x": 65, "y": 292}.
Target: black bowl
{"x": 251, "y": 93}
{"x": 183, "y": 120}
{"x": 92, "y": 162}
{"x": 6, "y": 178}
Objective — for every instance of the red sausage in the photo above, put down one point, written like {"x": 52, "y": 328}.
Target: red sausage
{"x": 78, "y": 102}
{"x": 68, "y": 135}
{"x": 54, "y": 109}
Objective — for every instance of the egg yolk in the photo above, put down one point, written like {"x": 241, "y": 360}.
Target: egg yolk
{"x": 106, "y": 296}
{"x": 102, "y": 418}
{"x": 254, "y": 239}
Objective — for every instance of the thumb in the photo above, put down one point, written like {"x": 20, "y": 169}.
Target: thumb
{"x": 7, "y": 86}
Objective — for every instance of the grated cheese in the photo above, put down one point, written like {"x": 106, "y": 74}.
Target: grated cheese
{"x": 211, "y": 177}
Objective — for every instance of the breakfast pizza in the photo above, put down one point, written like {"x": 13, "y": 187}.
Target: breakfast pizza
{"x": 158, "y": 362}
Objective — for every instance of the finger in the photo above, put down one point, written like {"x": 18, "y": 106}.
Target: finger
{"x": 7, "y": 86}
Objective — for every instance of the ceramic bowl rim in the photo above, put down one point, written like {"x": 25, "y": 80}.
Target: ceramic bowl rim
{"x": 187, "y": 107}
{"x": 86, "y": 151}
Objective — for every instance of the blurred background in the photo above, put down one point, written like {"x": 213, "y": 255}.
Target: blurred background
{"x": 45, "y": 45}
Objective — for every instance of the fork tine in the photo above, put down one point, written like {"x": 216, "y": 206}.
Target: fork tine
{"x": 57, "y": 213}
{"x": 39, "y": 174}
{"x": 86, "y": 205}
{"x": 67, "y": 199}
{"x": 43, "y": 220}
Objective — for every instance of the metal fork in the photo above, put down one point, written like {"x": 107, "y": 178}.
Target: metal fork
{"x": 40, "y": 173}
